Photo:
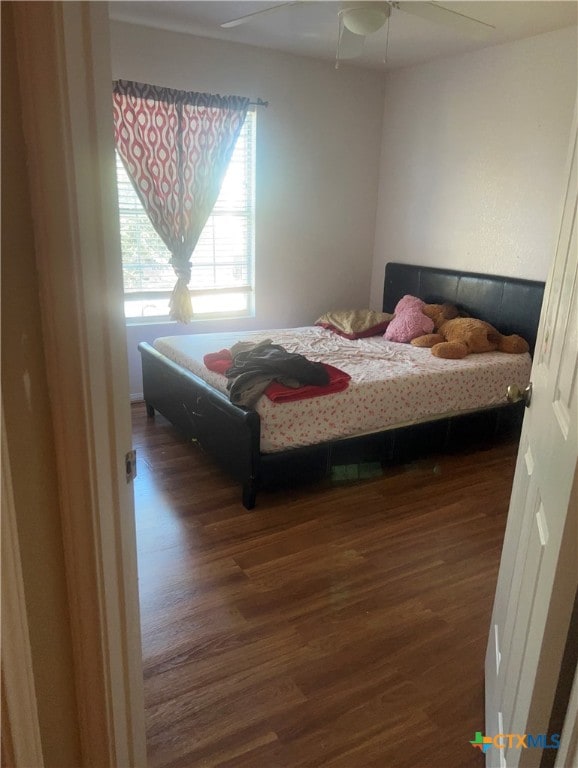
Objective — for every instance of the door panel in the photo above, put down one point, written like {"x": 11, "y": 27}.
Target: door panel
{"x": 539, "y": 567}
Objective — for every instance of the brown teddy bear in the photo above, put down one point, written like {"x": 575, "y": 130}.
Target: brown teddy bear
{"x": 456, "y": 337}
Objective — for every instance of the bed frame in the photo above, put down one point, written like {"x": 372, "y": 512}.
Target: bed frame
{"x": 232, "y": 434}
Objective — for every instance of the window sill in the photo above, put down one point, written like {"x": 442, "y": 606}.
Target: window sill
{"x": 138, "y": 321}
{"x": 131, "y": 322}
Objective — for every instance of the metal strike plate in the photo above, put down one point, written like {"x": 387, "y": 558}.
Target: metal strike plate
{"x": 130, "y": 465}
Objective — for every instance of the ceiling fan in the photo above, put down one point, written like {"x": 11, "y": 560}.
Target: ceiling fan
{"x": 359, "y": 19}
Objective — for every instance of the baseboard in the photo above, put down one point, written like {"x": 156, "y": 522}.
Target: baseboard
{"x": 137, "y": 397}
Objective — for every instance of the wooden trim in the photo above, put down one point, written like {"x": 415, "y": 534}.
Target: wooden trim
{"x": 21, "y": 745}
{"x": 65, "y": 71}
{"x": 567, "y": 755}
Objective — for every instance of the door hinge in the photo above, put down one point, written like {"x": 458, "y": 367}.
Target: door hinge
{"x": 130, "y": 465}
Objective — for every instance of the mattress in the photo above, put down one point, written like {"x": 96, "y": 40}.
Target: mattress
{"x": 391, "y": 384}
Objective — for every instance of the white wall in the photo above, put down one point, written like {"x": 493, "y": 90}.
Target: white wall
{"x": 318, "y": 145}
{"x": 474, "y": 148}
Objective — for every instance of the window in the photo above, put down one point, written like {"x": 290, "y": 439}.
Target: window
{"x": 222, "y": 262}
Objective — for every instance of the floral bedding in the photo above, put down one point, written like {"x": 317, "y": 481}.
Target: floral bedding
{"x": 391, "y": 384}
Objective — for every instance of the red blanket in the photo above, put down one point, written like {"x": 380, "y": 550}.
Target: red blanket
{"x": 220, "y": 362}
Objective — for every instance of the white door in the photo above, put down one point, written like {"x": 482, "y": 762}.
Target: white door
{"x": 539, "y": 567}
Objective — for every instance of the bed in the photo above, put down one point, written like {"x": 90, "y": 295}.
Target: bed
{"x": 176, "y": 384}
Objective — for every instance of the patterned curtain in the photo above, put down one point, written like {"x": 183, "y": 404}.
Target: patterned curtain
{"x": 176, "y": 147}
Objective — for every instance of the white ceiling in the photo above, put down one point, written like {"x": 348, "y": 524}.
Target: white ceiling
{"x": 310, "y": 28}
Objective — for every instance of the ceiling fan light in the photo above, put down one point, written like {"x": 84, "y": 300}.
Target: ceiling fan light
{"x": 365, "y": 20}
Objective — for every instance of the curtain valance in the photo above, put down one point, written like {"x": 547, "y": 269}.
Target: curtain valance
{"x": 132, "y": 89}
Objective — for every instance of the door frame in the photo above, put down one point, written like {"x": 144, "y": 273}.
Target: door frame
{"x": 567, "y": 755}
{"x": 20, "y": 735}
{"x": 65, "y": 77}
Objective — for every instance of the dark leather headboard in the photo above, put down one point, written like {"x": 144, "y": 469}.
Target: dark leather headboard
{"x": 509, "y": 304}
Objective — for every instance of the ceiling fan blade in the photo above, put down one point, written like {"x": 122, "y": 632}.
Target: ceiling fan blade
{"x": 441, "y": 15}
{"x": 350, "y": 45}
{"x": 249, "y": 16}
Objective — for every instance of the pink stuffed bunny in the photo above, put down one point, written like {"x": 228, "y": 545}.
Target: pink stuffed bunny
{"x": 409, "y": 322}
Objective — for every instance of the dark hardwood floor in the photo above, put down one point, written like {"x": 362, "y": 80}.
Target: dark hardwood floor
{"x": 340, "y": 626}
